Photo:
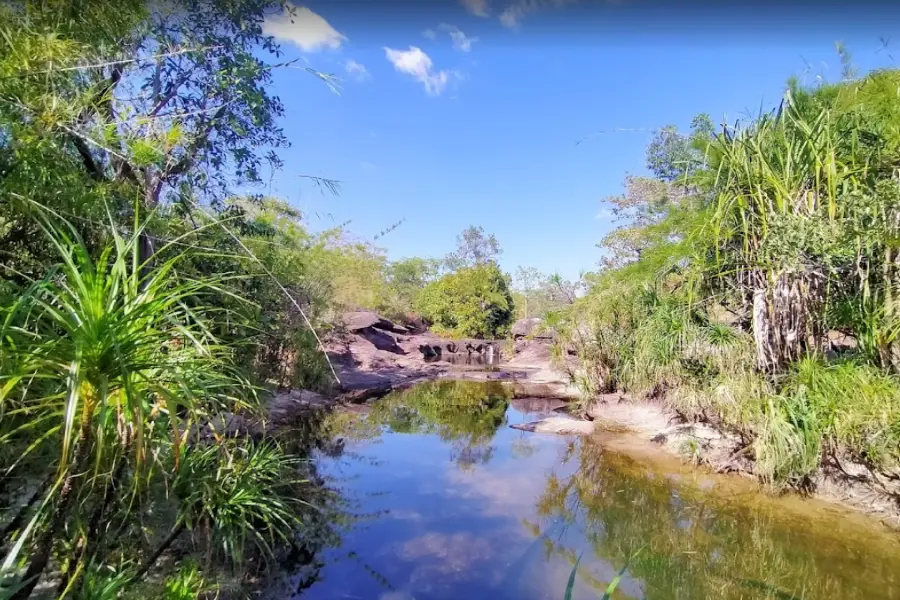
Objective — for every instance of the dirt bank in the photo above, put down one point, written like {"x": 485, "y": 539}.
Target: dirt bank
{"x": 842, "y": 481}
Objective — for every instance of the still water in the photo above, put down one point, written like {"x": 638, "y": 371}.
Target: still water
{"x": 444, "y": 500}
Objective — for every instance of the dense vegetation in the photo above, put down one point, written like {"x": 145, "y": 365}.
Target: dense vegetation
{"x": 147, "y": 310}
{"x": 146, "y": 306}
{"x": 753, "y": 281}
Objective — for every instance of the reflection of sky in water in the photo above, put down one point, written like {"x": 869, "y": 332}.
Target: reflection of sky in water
{"x": 450, "y": 532}
{"x": 455, "y": 528}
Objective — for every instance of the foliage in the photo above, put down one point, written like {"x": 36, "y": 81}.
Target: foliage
{"x": 406, "y": 278}
{"x": 109, "y": 376}
{"x": 472, "y": 302}
{"x": 735, "y": 266}
{"x": 473, "y": 248}
{"x": 243, "y": 491}
{"x": 536, "y": 294}
{"x": 465, "y": 413}
{"x": 827, "y": 407}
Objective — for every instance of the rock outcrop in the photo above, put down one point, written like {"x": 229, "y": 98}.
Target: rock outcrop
{"x": 524, "y": 328}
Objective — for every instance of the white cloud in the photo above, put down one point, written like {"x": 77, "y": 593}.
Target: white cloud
{"x": 461, "y": 41}
{"x": 304, "y": 28}
{"x": 356, "y": 70}
{"x": 429, "y": 34}
{"x": 417, "y": 64}
{"x": 476, "y": 7}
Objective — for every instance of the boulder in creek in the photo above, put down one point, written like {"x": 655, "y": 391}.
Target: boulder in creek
{"x": 431, "y": 351}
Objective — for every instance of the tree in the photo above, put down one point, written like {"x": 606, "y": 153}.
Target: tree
{"x": 671, "y": 156}
{"x": 527, "y": 281}
{"x": 471, "y": 302}
{"x": 406, "y": 278}
{"x": 140, "y": 94}
{"x": 473, "y": 247}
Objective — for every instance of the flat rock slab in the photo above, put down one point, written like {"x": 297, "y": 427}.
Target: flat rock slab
{"x": 361, "y": 319}
{"x": 557, "y": 425}
{"x": 292, "y": 404}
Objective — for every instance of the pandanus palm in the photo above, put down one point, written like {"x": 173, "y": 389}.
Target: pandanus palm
{"x": 105, "y": 368}
{"x": 783, "y": 194}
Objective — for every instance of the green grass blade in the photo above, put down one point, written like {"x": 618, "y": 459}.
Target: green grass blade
{"x": 571, "y": 585}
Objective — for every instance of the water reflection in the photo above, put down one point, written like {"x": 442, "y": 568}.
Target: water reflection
{"x": 464, "y": 414}
{"x": 464, "y": 358}
{"x": 686, "y": 542}
{"x": 468, "y": 508}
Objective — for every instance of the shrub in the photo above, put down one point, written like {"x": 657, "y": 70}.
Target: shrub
{"x": 472, "y": 302}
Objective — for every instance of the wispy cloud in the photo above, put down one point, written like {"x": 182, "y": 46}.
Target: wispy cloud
{"x": 513, "y": 14}
{"x": 477, "y": 7}
{"x": 302, "y": 27}
{"x": 419, "y": 66}
{"x": 357, "y": 71}
{"x": 461, "y": 41}
{"x": 429, "y": 34}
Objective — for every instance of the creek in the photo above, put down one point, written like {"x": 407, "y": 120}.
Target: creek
{"x": 444, "y": 500}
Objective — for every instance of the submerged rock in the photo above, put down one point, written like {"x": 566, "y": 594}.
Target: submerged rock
{"x": 291, "y": 404}
{"x": 538, "y": 405}
{"x": 557, "y": 425}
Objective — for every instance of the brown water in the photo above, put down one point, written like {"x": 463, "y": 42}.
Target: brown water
{"x": 448, "y": 502}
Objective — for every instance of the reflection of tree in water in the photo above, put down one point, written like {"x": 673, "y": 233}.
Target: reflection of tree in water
{"x": 331, "y": 511}
{"x": 696, "y": 545}
{"x": 467, "y": 414}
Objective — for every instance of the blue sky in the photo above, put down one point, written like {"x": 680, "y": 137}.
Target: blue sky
{"x": 469, "y": 113}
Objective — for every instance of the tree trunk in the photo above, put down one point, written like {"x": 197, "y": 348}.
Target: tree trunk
{"x": 762, "y": 332}
{"x": 786, "y": 316}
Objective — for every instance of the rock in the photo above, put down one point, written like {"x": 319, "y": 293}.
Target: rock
{"x": 537, "y": 405}
{"x": 549, "y": 389}
{"x": 529, "y": 328}
{"x": 287, "y": 406}
{"x": 363, "y": 319}
{"x": 381, "y": 340}
{"x": 361, "y": 395}
{"x": 558, "y": 425}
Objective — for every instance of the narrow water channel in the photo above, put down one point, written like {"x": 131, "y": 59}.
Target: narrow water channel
{"x": 449, "y": 502}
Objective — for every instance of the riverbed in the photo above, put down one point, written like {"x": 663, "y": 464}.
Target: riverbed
{"x": 443, "y": 499}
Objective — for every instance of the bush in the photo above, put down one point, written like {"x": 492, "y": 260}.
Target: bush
{"x": 472, "y": 302}
{"x": 843, "y": 407}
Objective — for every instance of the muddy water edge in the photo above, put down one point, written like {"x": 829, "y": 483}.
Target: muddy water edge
{"x": 436, "y": 496}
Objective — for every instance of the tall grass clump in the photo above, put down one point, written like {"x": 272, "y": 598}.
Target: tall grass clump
{"x": 784, "y": 229}
{"x": 111, "y": 374}
{"x": 841, "y": 408}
